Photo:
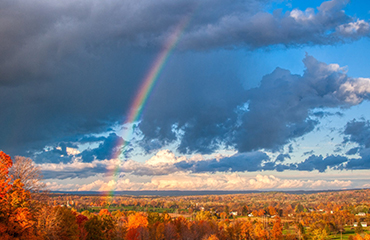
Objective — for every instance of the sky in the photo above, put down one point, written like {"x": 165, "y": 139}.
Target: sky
{"x": 186, "y": 94}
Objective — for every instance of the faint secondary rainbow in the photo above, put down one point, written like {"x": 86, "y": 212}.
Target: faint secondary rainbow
{"x": 144, "y": 92}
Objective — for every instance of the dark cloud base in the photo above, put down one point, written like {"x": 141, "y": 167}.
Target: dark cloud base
{"x": 70, "y": 70}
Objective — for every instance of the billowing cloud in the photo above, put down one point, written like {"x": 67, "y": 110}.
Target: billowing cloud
{"x": 164, "y": 162}
{"x": 355, "y": 132}
{"x": 253, "y": 161}
{"x": 269, "y": 116}
{"x": 355, "y": 29}
{"x": 319, "y": 163}
{"x": 358, "y": 132}
{"x": 207, "y": 182}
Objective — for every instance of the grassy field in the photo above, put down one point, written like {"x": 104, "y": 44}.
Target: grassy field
{"x": 348, "y": 232}
{"x": 133, "y": 208}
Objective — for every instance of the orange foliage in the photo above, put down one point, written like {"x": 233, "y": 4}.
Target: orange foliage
{"x": 105, "y": 212}
{"x": 247, "y": 230}
{"x": 358, "y": 237}
{"x": 16, "y": 220}
{"x": 260, "y": 232}
{"x": 133, "y": 234}
{"x": 272, "y": 211}
{"x": 5, "y": 164}
{"x": 261, "y": 212}
{"x": 137, "y": 220}
{"x": 277, "y": 230}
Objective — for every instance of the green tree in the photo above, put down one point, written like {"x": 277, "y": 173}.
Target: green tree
{"x": 359, "y": 229}
{"x": 244, "y": 210}
{"x": 66, "y": 227}
{"x": 94, "y": 228}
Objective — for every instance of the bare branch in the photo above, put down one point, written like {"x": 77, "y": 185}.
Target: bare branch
{"x": 30, "y": 175}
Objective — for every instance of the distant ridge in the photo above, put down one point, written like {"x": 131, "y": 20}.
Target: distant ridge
{"x": 192, "y": 193}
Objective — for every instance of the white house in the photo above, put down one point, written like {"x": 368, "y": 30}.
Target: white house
{"x": 363, "y": 224}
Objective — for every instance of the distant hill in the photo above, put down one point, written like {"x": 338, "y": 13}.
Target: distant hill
{"x": 189, "y": 193}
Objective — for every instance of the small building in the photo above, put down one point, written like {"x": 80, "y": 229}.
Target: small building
{"x": 235, "y": 213}
{"x": 361, "y": 214}
{"x": 363, "y": 224}
{"x": 250, "y": 215}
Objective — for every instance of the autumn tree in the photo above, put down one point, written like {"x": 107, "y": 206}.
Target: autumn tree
{"x": 66, "y": 226}
{"x": 182, "y": 227}
{"x": 244, "y": 210}
{"x": 260, "y": 232}
{"x": 16, "y": 217}
{"x": 213, "y": 237}
{"x": 94, "y": 228}
{"x": 5, "y": 163}
{"x": 277, "y": 229}
{"x": 300, "y": 230}
{"x": 247, "y": 230}
{"x": 319, "y": 234}
{"x": 107, "y": 223}
{"x": 81, "y": 220}
{"x": 203, "y": 215}
{"x": 137, "y": 226}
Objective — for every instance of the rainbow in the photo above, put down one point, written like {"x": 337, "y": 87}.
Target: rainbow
{"x": 144, "y": 92}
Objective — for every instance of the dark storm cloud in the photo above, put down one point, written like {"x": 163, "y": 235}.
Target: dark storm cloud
{"x": 106, "y": 150}
{"x": 71, "y": 68}
{"x": 39, "y": 38}
{"x": 265, "y": 117}
{"x": 326, "y": 25}
{"x": 53, "y": 155}
{"x": 204, "y": 110}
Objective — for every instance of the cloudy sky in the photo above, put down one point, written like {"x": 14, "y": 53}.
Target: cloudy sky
{"x": 252, "y": 94}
